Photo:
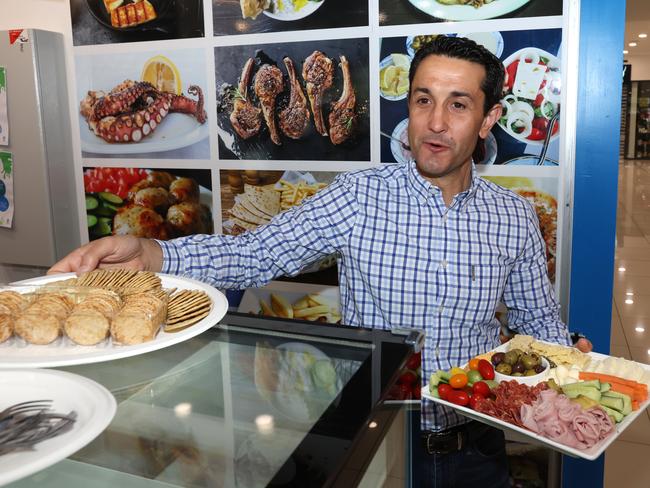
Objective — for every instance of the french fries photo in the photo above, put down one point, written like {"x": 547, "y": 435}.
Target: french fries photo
{"x": 292, "y": 194}
{"x": 312, "y": 307}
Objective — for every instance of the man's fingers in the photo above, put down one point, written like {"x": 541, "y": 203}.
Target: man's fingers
{"x": 68, "y": 264}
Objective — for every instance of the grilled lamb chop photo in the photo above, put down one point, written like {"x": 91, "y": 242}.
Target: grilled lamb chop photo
{"x": 245, "y": 117}
{"x": 268, "y": 85}
{"x": 294, "y": 118}
{"x": 342, "y": 117}
{"x": 318, "y": 73}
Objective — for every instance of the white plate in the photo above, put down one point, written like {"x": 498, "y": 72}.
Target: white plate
{"x": 94, "y": 404}
{"x": 401, "y": 155}
{"x": 175, "y": 131}
{"x": 64, "y": 353}
{"x": 308, "y": 9}
{"x": 388, "y": 61}
{"x": 590, "y": 454}
{"x": 554, "y": 62}
{"x": 467, "y": 12}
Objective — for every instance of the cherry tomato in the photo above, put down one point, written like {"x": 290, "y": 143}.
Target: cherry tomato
{"x": 473, "y": 364}
{"x": 417, "y": 389}
{"x": 444, "y": 390}
{"x": 540, "y": 123}
{"x": 458, "y": 380}
{"x": 405, "y": 390}
{"x": 536, "y": 134}
{"x": 407, "y": 377}
{"x": 481, "y": 388}
{"x": 414, "y": 361}
{"x": 486, "y": 369}
{"x": 458, "y": 397}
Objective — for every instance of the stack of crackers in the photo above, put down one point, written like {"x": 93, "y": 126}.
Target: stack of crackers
{"x": 129, "y": 306}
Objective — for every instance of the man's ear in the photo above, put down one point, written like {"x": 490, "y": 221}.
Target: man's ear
{"x": 490, "y": 119}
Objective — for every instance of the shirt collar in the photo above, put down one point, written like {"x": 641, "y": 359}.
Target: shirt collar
{"x": 424, "y": 190}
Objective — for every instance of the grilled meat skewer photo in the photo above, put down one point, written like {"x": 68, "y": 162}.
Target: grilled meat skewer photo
{"x": 342, "y": 116}
{"x": 294, "y": 118}
{"x": 318, "y": 73}
{"x": 268, "y": 85}
{"x": 245, "y": 117}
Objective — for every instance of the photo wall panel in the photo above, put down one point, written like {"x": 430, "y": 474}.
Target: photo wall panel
{"x": 520, "y": 134}
{"x": 251, "y": 17}
{"x": 161, "y": 68}
{"x": 110, "y": 22}
{"x": 334, "y": 122}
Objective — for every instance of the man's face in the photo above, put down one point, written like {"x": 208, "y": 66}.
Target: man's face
{"x": 446, "y": 114}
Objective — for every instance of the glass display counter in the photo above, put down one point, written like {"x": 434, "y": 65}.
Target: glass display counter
{"x": 253, "y": 402}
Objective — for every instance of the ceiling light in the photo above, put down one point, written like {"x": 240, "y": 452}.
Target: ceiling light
{"x": 630, "y": 293}
{"x": 629, "y": 301}
{"x": 643, "y": 35}
{"x": 373, "y": 424}
{"x": 649, "y": 351}
{"x": 631, "y": 44}
{"x": 625, "y": 51}
{"x": 640, "y": 329}
{"x": 621, "y": 268}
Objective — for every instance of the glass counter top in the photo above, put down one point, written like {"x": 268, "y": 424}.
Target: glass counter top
{"x": 252, "y": 403}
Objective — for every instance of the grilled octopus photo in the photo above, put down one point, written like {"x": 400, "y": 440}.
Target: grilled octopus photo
{"x": 132, "y": 110}
{"x": 161, "y": 207}
{"x": 293, "y": 114}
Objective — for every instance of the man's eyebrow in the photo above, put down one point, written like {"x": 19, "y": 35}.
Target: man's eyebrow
{"x": 454, "y": 94}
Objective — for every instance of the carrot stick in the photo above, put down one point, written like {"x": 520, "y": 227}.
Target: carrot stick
{"x": 635, "y": 405}
{"x": 608, "y": 378}
{"x": 626, "y": 390}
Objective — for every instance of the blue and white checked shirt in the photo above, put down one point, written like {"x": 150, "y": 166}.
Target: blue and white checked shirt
{"x": 406, "y": 260}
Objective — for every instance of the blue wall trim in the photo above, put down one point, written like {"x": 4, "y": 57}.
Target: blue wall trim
{"x": 602, "y": 28}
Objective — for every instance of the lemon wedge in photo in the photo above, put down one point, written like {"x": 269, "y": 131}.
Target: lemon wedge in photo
{"x": 401, "y": 61}
{"x": 163, "y": 74}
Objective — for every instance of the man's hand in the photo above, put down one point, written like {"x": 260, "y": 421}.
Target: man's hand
{"x": 112, "y": 252}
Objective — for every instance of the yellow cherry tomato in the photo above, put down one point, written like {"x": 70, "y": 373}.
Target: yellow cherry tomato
{"x": 456, "y": 370}
{"x": 458, "y": 380}
{"x": 473, "y": 364}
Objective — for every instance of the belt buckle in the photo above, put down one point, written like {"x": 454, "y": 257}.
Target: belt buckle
{"x": 433, "y": 450}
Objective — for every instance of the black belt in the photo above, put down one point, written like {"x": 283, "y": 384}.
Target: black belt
{"x": 451, "y": 440}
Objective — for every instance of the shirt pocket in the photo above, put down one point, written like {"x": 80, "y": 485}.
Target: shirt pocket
{"x": 478, "y": 290}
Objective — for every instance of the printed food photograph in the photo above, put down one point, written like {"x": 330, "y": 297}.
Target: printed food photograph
{"x": 574, "y": 402}
{"x": 115, "y": 21}
{"x": 250, "y": 198}
{"x": 303, "y": 301}
{"x": 232, "y": 17}
{"x": 528, "y": 132}
{"x": 542, "y": 194}
{"x": 425, "y": 11}
{"x": 144, "y": 103}
{"x": 294, "y": 101}
{"x": 158, "y": 204}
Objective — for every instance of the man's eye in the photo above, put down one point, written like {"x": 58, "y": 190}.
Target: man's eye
{"x": 422, "y": 100}
{"x": 458, "y": 105}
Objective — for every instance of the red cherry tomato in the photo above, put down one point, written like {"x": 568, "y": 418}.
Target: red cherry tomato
{"x": 536, "y": 134}
{"x": 407, "y": 377}
{"x": 414, "y": 361}
{"x": 444, "y": 390}
{"x": 481, "y": 388}
{"x": 458, "y": 397}
{"x": 540, "y": 123}
{"x": 486, "y": 369}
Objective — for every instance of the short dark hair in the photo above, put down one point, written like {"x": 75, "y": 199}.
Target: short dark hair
{"x": 462, "y": 48}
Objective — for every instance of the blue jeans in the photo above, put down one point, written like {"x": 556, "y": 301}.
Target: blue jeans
{"x": 482, "y": 462}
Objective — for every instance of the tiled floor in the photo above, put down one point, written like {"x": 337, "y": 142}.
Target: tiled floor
{"x": 631, "y": 321}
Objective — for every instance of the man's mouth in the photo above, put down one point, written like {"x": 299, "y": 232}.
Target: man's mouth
{"x": 436, "y": 146}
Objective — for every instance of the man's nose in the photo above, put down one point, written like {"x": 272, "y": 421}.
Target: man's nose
{"x": 438, "y": 121}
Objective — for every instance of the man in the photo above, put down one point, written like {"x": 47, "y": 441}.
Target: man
{"x": 426, "y": 244}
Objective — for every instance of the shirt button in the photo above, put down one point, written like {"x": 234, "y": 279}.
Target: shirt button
{"x": 444, "y": 264}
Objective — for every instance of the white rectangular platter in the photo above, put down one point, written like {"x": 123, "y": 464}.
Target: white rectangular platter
{"x": 590, "y": 454}
{"x": 15, "y": 353}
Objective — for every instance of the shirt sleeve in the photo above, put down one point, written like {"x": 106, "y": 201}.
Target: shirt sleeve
{"x": 528, "y": 295}
{"x": 290, "y": 242}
